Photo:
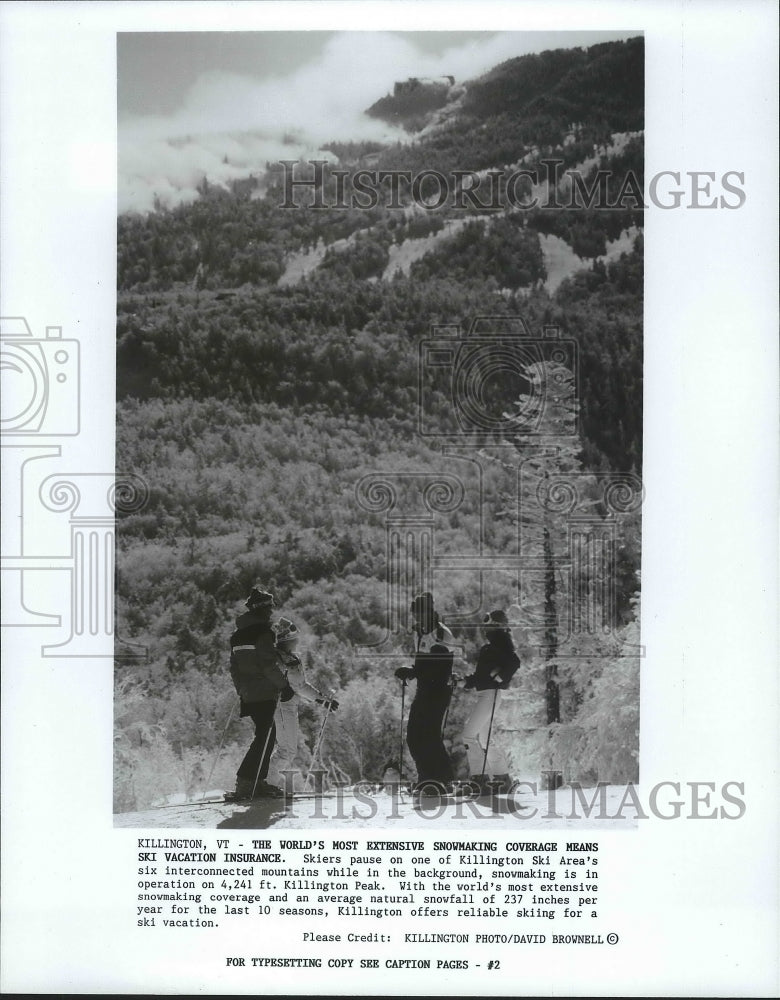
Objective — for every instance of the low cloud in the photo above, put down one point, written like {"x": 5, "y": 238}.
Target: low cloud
{"x": 231, "y": 125}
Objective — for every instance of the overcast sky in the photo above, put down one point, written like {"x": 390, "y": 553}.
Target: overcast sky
{"x": 236, "y": 95}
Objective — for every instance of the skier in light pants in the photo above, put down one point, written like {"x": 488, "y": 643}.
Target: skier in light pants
{"x": 496, "y": 665}
{"x": 286, "y": 715}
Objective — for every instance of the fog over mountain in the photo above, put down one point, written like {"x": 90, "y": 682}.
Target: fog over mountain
{"x": 231, "y": 124}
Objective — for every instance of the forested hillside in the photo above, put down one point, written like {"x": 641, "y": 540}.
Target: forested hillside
{"x": 252, "y": 407}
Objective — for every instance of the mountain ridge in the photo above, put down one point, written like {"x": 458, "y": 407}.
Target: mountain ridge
{"x": 253, "y": 409}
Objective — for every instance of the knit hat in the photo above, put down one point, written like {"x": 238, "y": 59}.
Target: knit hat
{"x": 259, "y": 599}
{"x": 286, "y": 631}
{"x": 497, "y": 618}
{"x": 422, "y": 605}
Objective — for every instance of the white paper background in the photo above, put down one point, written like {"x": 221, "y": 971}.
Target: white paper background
{"x": 695, "y": 901}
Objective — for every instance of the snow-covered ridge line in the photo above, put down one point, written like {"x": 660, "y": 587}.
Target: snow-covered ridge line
{"x": 560, "y": 260}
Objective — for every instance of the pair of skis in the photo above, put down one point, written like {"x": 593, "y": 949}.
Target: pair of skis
{"x": 315, "y": 758}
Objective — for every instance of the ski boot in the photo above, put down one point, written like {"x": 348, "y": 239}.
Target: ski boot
{"x": 430, "y": 789}
{"x": 478, "y": 785}
{"x": 265, "y": 790}
{"x": 501, "y": 784}
{"x": 246, "y": 790}
{"x": 242, "y": 792}
{"x": 391, "y": 779}
{"x": 461, "y": 790}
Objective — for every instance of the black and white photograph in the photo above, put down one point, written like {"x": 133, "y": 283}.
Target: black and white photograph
{"x": 389, "y": 489}
{"x": 379, "y": 389}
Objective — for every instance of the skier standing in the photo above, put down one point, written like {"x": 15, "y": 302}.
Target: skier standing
{"x": 433, "y": 672}
{"x": 296, "y": 687}
{"x": 496, "y": 665}
{"x": 258, "y": 680}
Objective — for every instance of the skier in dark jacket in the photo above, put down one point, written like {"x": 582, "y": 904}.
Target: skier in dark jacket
{"x": 496, "y": 665}
{"x": 433, "y": 672}
{"x": 259, "y": 680}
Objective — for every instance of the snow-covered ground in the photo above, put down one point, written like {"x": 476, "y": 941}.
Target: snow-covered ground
{"x": 562, "y": 262}
{"x": 564, "y": 808}
{"x": 401, "y": 257}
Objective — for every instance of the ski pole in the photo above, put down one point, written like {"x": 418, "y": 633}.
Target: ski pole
{"x": 418, "y": 631}
{"x": 315, "y": 753}
{"x": 219, "y": 748}
{"x": 490, "y": 730}
{"x": 446, "y": 714}
{"x": 454, "y": 688}
{"x": 401, "y": 738}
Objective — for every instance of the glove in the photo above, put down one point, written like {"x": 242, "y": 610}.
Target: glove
{"x": 330, "y": 703}
{"x": 470, "y": 682}
{"x": 404, "y": 673}
{"x": 286, "y": 693}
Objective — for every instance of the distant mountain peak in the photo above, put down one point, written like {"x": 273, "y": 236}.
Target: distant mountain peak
{"x": 413, "y": 100}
